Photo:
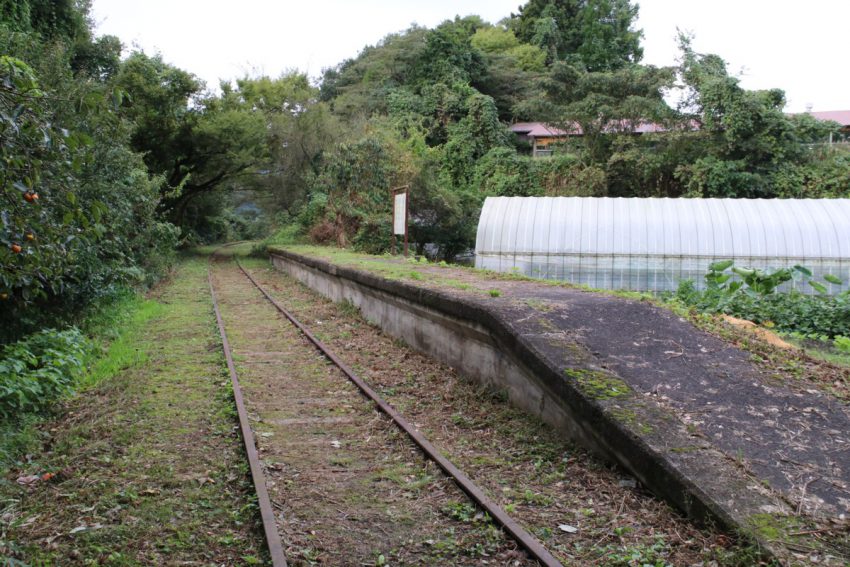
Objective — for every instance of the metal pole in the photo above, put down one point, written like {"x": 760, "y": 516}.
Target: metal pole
{"x": 406, "y": 209}
{"x": 392, "y": 222}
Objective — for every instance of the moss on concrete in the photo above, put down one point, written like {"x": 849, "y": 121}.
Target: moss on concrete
{"x": 598, "y": 385}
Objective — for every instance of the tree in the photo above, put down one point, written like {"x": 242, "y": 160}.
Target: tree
{"x": 597, "y": 35}
{"x": 595, "y": 106}
{"x": 470, "y": 138}
{"x": 78, "y": 207}
{"x": 448, "y": 56}
{"x": 357, "y": 88}
{"x": 64, "y": 20}
{"x": 299, "y": 128}
{"x": 744, "y": 135}
{"x": 198, "y": 143}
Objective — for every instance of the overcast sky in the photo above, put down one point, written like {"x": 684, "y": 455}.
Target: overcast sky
{"x": 798, "y": 46}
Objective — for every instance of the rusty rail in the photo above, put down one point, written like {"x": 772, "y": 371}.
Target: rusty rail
{"x": 266, "y": 512}
{"x": 526, "y": 540}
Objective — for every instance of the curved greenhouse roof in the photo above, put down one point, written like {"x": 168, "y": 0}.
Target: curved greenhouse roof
{"x": 652, "y": 244}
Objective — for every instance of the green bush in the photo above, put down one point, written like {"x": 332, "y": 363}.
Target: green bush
{"x": 754, "y": 297}
{"x": 792, "y": 312}
{"x": 41, "y": 368}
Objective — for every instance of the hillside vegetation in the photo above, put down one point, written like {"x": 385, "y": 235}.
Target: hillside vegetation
{"x": 112, "y": 159}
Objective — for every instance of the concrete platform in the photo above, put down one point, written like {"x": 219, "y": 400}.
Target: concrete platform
{"x": 719, "y": 435}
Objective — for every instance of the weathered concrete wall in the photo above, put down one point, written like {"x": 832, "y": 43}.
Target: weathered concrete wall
{"x": 460, "y": 343}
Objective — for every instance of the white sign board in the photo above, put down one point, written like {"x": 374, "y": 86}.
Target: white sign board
{"x": 399, "y": 211}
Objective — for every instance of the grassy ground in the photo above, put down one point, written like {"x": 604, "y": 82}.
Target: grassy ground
{"x": 144, "y": 467}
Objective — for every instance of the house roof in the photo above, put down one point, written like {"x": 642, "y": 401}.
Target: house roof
{"x": 840, "y": 116}
{"x": 536, "y": 129}
{"x": 543, "y": 130}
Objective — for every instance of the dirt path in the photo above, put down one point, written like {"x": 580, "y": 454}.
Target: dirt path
{"x": 585, "y": 512}
{"x": 351, "y": 489}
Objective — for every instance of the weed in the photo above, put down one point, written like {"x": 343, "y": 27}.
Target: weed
{"x": 535, "y": 499}
{"x": 494, "y": 293}
{"x": 755, "y": 297}
{"x": 466, "y": 513}
{"x": 349, "y": 309}
{"x": 462, "y": 420}
{"x": 460, "y": 511}
{"x": 653, "y": 555}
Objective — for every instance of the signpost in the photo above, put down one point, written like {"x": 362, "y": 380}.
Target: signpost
{"x": 400, "y": 208}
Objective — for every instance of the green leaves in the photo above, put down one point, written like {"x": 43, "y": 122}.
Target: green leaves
{"x": 78, "y": 213}
{"x": 720, "y": 266}
{"x": 819, "y": 287}
{"x": 760, "y": 282}
{"x": 39, "y": 369}
{"x": 804, "y": 270}
{"x": 754, "y": 296}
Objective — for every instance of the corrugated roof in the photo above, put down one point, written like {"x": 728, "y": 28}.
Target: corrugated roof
{"x": 543, "y": 130}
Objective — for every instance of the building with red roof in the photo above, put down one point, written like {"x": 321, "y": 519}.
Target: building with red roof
{"x": 542, "y": 136}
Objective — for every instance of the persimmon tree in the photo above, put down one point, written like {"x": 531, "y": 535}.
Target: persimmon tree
{"x": 77, "y": 206}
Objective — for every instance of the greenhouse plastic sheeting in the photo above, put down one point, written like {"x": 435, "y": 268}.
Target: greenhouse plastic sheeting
{"x": 653, "y": 244}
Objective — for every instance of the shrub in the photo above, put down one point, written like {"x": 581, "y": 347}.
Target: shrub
{"x": 754, "y": 298}
{"x": 40, "y": 368}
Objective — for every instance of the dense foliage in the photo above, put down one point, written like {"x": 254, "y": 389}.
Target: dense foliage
{"x": 79, "y": 206}
{"x": 429, "y": 108}
{"x": 37, "y": 370}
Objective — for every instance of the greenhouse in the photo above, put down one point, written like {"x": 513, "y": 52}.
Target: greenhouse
{"x": 653, "y": 244}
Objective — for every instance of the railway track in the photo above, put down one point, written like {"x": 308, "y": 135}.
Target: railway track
{"x": 313, "y": 417}
{"x": 337, "y": 467}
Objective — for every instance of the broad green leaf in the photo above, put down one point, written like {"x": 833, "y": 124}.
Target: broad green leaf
{"x": 833, "y": 279}
{"x": 744, "y": 272}
{"x": 721, "y": 265}
{"x": 803, "y": 270}
{"x": 819, "y": 287}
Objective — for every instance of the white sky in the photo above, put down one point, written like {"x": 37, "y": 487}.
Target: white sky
{"x": 797, "y": 46}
